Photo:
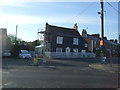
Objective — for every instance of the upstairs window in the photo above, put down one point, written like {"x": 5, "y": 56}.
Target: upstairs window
{"x": 86, "y": 45}
{"x": 59, "y": 40}
{"x": 75, "y": 41}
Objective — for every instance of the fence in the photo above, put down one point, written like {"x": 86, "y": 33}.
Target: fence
{"x": 69, "y": 55}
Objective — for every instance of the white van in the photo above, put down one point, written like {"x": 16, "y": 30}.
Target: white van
{"x": 24, "y": 54}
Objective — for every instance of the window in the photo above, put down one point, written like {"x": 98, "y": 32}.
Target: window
{"x": 59, "y": 50}
{"x": 75, "y": 41}
{"x": 75, "y": 50}
{"x": 95, "y": 44}
{"x": 83, "y": 51}
{"x": 59, "y": 40}
{"x": 86, "y": 45}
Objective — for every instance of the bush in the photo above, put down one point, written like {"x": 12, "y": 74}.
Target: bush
{"x": 15, "y": 51}
{"x": 98, "y": 53}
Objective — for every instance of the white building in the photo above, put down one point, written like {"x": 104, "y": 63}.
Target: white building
{"x": 119, "y": 22}
{"x": 3, "y": 33}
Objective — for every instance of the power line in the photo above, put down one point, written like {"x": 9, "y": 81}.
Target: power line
{"x": 82, "y": 11}
{"x": 113, "y": 7}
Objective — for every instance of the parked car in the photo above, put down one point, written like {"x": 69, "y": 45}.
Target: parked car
{"x": 25, "y": 54}
{"x": 6, "y": 53}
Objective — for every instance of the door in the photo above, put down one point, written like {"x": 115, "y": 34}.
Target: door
{"x": 67, "y": 50}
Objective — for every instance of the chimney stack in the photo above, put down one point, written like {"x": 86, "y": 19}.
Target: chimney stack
{"x": 116, "y": 40}
{"x": 84, "y": 33}
{"x": 75, "y": 27}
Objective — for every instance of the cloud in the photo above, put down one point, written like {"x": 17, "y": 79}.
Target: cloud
{"x": 14, "y": 2}
{"x": 20, "y": 2}
{"x": 25, "y": 19}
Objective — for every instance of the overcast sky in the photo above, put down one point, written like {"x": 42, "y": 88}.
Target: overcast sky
{"x": 32, "y": 15}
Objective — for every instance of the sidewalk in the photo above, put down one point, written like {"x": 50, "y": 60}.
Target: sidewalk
{"x": 106, "y": 67}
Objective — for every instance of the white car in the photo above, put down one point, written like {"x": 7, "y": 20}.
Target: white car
{"x": 6, "y": 53}
{"x": 24, "y": 54}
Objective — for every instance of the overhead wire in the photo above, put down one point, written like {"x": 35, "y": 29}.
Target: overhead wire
{"x": 109, "y": 34}
{"x": 112, "y": 7}
{"x": 83, "y": 11}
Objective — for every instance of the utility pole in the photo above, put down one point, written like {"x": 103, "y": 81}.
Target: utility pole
{"x": 102, "y": 28}
{"x": 102, "y": 22}
{"x": 102, "y": 19}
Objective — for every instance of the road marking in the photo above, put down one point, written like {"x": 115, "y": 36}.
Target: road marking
{"x": 51, "y": 66}
{"x": 9, "y": 83}
{"x": 5, "y": 72}
{"x": 111, "y": 71}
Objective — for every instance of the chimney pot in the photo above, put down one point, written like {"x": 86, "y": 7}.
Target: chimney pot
{"x": 75, "y": 27}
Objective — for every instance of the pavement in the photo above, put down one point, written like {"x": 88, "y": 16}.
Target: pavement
{"x": 114, "y": 68}
{"x": 106, "y": 67}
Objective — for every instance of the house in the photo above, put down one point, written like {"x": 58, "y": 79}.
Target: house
{"x": 63, "y": 41}
{"x": 111, "y": 47}
{"x": 118, "y": 50}
{"x": 3, "y": 31}
{"x": 93, "y": 41}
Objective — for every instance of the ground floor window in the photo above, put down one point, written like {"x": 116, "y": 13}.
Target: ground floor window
{"x": 83, "y": 51}
{"x": 75, "y": 50}
{"x": 59, "y": 50}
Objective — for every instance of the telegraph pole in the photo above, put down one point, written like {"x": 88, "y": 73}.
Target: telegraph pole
{"x": 102, "y": 19}
{"x": 102, "y": 28}
{"x": 102, "y": 22}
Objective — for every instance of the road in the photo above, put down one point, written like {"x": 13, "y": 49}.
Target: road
{"x": 19, "y": 73}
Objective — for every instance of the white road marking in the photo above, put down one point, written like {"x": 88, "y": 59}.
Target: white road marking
{"x": 111, "y": 71}
{"x": 9, "y": 83}
{"x": 5, "y": 72}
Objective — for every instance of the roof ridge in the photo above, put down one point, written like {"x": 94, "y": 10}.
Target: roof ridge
{"x": 62, "y": 27}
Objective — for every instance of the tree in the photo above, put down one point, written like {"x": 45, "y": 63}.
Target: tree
{"x": 14, "y": 44}
{"x": 15, "y": 50}
{"x": 13, "y": 39}
{"x": 8, "y": 43}
{"x": 19, "y": 44}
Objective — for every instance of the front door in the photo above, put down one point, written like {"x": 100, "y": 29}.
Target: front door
{"x": 67, "y": 50}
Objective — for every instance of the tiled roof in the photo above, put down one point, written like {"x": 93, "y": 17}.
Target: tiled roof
{"x": 108, "y": 41}
{"x": 62, "y": 31}
{"x": 94, "y": 38}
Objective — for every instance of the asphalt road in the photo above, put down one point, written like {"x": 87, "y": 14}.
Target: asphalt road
{"x": 19, "y": 73}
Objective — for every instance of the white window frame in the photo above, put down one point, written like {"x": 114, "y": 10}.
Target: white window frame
{"x": 86, "y": 45}
{"x": 59, "y": 40}
{"x": 59, "y": 50}
{"x": 75, "y": 41}
{"x": 83, "y": 51}
{"x": 75, "y": 50}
